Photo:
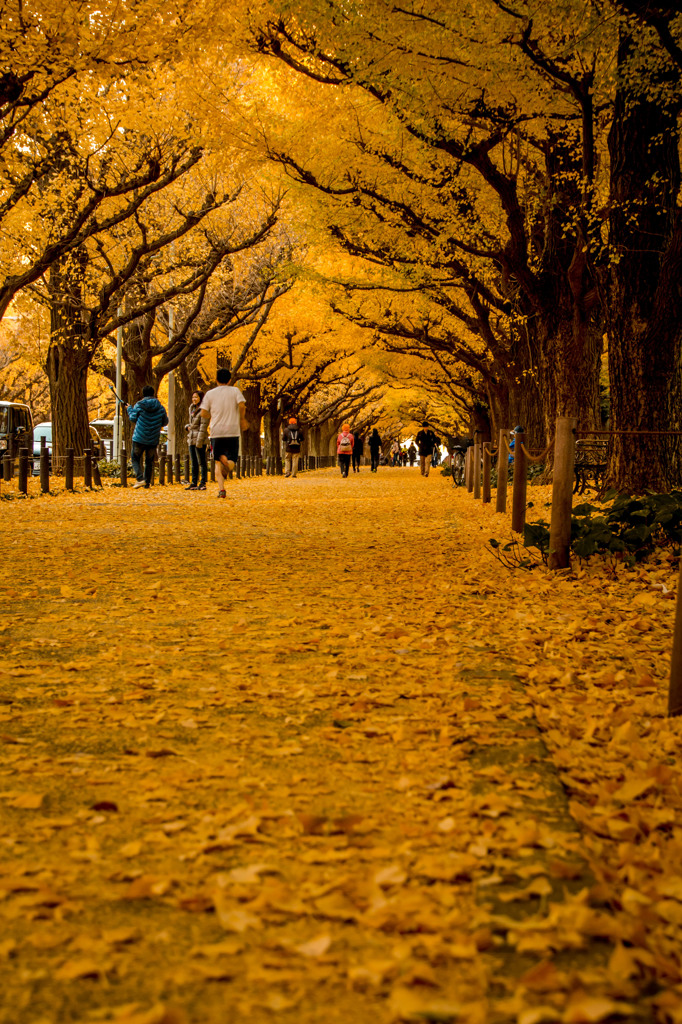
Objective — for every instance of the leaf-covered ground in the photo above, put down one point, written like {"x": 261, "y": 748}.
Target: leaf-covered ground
{"x": 312, "y": 755}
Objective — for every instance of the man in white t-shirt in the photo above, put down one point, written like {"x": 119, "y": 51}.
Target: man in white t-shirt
{"x": 224, "y": 407}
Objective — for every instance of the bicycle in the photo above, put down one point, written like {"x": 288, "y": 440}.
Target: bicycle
{"x": 457, "y": 467}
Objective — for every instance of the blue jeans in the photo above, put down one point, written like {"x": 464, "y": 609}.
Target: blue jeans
{"x": 146, "y": 450}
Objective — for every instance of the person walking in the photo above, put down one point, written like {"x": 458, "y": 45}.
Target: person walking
{"x": 426, "y": 443}
{"x": 344, "y": 448}
{"x": 293, "y": 439}
{"x": 149, "y": 416}
{"x": 358, "y": 449}
{"x": 374, "y": 449}
{"x": 197, "y": 455}
{"x": 223, "y": 406}
{"x": 412, "y": 454}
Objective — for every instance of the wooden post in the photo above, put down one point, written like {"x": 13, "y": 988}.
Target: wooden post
{"x": 675, "y": 685}
{"x": 477, "y": 468}
{"x": 212, "y": 471}
{"x": 87, "y": 468}
{"x": 68, "y": 470}
{"x": 520, "y": 482}
{"x": 562, "y": 494}
{"x": 7, "y": 467}
{"x": 162, "y": 469}
{"x": 468, "y": 471}
{"x": 96, "y": 478}
{"x": 238, "y": 468}
{"x": 486, "y": 472}
{"x": 124, "y": 465}
{"x": 186, "y": 469}
{"x": 44, "y": 469}
{"x": 178, "y": 470}
{"x": 502, "y": 472}
{"x": 23, "y": 470}
{"x": 169, "y": 468}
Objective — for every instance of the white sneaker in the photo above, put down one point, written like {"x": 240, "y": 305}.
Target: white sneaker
{"x": 138, "y": 483}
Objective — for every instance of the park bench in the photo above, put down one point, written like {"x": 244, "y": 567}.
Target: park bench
{"x": 591, "y": 457}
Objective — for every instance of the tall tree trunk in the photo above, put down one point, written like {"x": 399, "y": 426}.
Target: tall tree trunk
{"x": 645, "y": 284}
{"x": 67, "y": 373}
{"x": 251, "y": 438}
{"x": 68, "y": 356}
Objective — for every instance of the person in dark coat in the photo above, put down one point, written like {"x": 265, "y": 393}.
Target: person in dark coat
{"x": 427, "y": 442}
{"x": 374, "y": 444}
{"x": 358, "y": 448}
{"x": 149, "y": 416}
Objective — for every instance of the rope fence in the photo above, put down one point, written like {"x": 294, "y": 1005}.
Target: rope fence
{"x": 168, "y": 469}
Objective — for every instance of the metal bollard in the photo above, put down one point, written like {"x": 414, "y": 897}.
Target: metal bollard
{"x": 44, "y": 469}
{"x": 87, "y": 468}
{"x": 23, "y": 470}
{"x": 124, "y": 466}
{"x": 68, "y": 470}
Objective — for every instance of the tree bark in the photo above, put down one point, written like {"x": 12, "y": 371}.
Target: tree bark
{"x": 644, "y": 285}
{"x": 68, "y": 356}
{"x": 251, "y": 437}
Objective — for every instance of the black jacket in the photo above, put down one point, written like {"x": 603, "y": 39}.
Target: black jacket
{"x": 426, "y": 442}
{"x": 293, "y": 439}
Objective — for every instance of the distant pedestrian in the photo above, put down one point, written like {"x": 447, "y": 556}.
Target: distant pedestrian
{"x": 426, "y": 443}
{"x": 293, "y": 439}
{"x": 344, "y": 448}
{"x": 224, "y": 407}
{"x": 149, "y": 416}
{"x": 197, "y": 455}
{"x": 395, "y": 453}
{"x": 412, "y": 454}
{"x": 374, "y": 444}
{"x": 358, "y": 449}
{"x": 403, "y": 456}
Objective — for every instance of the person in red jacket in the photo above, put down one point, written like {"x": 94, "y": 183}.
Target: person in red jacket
{"x": 344, "y": 448}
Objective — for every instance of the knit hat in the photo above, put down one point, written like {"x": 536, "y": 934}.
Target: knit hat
{"x": 292, "y": 419}
{"x": 345, "y": 427}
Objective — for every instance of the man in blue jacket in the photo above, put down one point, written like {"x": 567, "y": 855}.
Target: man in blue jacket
{"x": 149, "y": 416}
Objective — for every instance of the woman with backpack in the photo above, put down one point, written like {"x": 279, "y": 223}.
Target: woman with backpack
{"x": 344, "y": 448}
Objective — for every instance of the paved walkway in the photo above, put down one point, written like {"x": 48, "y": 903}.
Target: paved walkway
{"x": 285, "y": 756}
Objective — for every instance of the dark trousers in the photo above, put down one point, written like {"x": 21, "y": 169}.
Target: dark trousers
{"x": 375, "y": 460}
{"x": 344, "y": 464}
{"x": 198, "y": 457}
{"x": 148, "y": 451}
{"x": 356, "y": 461}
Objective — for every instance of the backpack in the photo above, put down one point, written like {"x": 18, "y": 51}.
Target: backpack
{"x": 345, "y": 444}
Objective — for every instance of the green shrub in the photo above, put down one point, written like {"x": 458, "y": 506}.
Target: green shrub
{"x": 628, "y": 528}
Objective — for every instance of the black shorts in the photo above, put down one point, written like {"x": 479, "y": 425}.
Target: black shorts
{"x": 226, "y": 446}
